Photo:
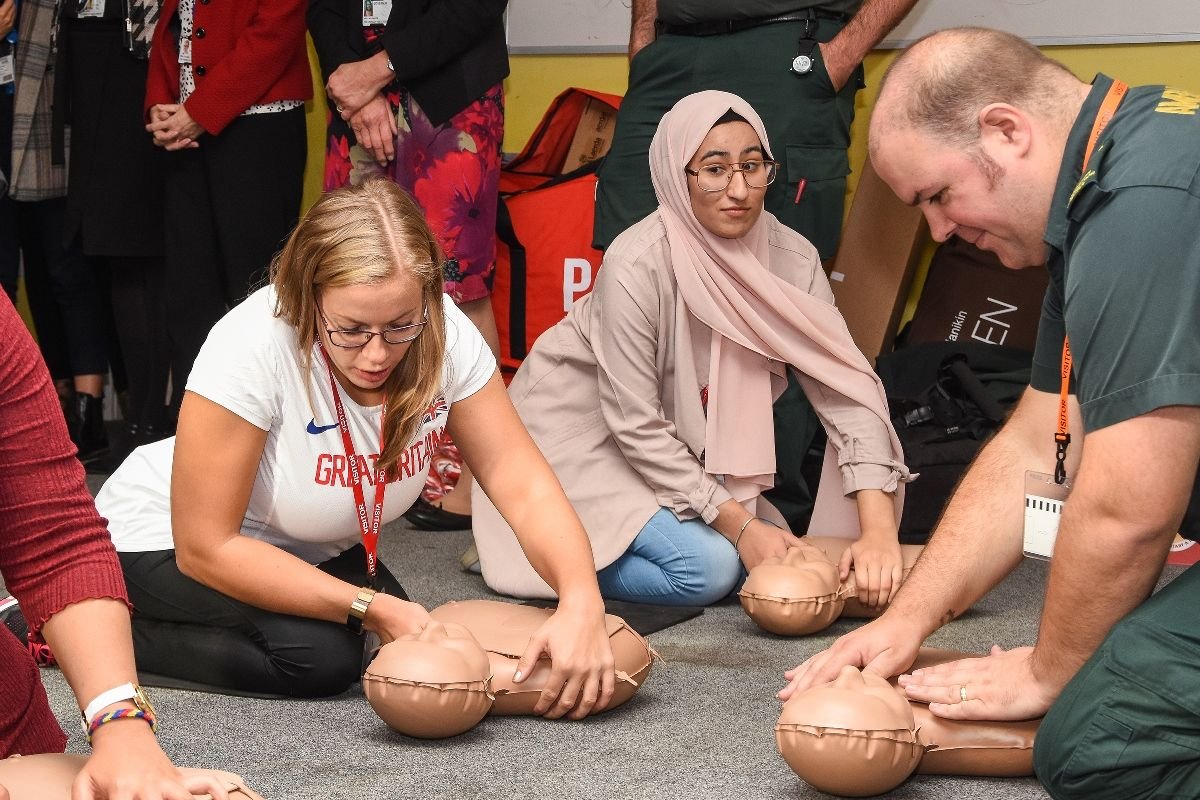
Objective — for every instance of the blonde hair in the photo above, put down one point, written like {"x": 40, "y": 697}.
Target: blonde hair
{"x": 368, "y": 234}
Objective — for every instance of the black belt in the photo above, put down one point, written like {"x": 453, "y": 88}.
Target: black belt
{"x": 725, "y": 26}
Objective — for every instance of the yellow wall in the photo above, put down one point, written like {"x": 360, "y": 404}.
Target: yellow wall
{"x": 535, "y": 80}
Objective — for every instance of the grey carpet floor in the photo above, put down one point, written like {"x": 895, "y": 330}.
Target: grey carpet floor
{"x": 702, "y": 726}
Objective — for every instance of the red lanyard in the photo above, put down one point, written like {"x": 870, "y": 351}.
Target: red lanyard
{"x": 1062, "y": 438}
{"x": 369, "y": 528}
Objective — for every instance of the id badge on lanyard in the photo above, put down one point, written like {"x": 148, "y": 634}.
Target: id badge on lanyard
{"x": 91, "y": 8}
{"x": 376, "y": 12}
{"x": 8, "y": 72}
{"x": 1044, "y": 498}
{"x": 1045, "y": 495}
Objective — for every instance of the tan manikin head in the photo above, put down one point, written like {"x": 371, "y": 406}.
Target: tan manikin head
{"x": 432, "y": 684}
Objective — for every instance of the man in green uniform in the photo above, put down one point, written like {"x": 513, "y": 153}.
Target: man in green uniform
{"x": 991, "y": 140}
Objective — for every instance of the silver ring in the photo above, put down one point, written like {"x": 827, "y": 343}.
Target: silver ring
{"x": 962, "y": 694}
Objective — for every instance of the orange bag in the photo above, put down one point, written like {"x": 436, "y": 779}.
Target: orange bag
{"x": 544, "y": 258}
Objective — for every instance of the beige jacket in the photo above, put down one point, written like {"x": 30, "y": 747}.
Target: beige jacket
{"x": 596, "y": 394}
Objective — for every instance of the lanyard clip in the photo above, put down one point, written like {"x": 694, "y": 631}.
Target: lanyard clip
{"x": 1061, "y": 440}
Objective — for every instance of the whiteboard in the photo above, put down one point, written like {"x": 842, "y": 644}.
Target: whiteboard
{"x": 1058, "y": 21}
{"x": 568, "y": 26}
{"x": 602, "y": 26}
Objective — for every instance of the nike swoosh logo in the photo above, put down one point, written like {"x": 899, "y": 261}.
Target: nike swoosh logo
{"x": 314, "y": 428}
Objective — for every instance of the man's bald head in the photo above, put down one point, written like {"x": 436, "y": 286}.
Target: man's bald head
{"x": 940, "y": 83}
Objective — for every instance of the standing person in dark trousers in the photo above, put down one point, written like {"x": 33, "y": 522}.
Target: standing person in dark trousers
{"x": 115, "y": 196}
{"x": 798, "y": 63}
{"x": 1001, "y": 146}
{"x": 68, "y": 305}
{"x": 225, "y": 96}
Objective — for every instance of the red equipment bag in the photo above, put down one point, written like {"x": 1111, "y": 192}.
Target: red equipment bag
{"x": 544, "y": 257}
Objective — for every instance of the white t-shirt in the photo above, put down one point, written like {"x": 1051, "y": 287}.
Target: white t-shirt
{"x": 302, "y": 500}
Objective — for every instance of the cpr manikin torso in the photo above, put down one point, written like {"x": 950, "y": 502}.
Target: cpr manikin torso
{"x": 503, "y": 629}
{"x": 801, "y": 592}
{"x": 49, "y": 776}
{"x": 858, "y": 735}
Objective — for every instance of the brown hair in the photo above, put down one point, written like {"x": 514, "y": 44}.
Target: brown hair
{"x": 948, "y": 76}
{"x": 367, "y": 234}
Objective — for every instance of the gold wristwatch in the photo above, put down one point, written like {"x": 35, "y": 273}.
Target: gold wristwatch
{"x": 358, "y": 609}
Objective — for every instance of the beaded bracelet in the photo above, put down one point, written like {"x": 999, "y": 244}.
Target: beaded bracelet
{"x": 121, "y": 713}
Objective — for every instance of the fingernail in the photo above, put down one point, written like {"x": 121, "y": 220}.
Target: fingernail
{"x": 517, "y": 676}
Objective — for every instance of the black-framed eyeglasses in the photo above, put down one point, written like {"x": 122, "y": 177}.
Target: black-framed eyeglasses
{"x": 717, "y": 177}
{"x": 354, "y": 338}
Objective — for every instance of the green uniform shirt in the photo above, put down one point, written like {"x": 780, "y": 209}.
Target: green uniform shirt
{"x": 1124, "y": 259}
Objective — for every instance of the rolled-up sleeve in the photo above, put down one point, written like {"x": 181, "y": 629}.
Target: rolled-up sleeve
{"x": 625, "y": 341}
{"x": 862, "y": 440}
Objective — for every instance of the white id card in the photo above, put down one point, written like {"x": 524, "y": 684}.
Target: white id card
{"x": 91, "y": 8}
{"x": 7, "y": 71}
{"x": 376, "y": 12}
{"x": 1044, "y": 501}
{"x": 185, "y": 51}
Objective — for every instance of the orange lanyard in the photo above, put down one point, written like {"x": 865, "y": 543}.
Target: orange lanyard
{"x": 1062, "y": 437}
{"x": 368, "y": 526}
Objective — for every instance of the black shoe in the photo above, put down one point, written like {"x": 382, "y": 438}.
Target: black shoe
{"x": 13, "y": 619}
{"x": 87, "y": 427}
{"x": 425, "y": 516}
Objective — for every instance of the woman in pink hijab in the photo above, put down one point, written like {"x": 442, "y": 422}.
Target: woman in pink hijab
{"x": 652, "y": 399}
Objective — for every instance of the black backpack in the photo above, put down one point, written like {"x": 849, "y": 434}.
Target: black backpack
{"x": 946, "y": 399}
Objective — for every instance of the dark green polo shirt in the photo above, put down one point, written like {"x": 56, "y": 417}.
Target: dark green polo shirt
{"x": 1124, "y": 259}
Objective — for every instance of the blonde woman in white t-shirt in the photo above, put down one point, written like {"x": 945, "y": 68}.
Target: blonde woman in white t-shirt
{"x": 242, "y": 539}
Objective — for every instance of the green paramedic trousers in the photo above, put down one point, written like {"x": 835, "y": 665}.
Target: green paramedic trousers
{"x": 1128, "y": 725}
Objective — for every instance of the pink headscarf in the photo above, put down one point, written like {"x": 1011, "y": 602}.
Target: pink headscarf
{"x": 727, "y": 285}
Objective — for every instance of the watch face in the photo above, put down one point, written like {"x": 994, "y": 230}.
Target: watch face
{"x": 802, "y": 65}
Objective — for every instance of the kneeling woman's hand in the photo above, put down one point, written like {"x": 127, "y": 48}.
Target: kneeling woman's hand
{"x": 878, "y": 567}
{"x": 391, "y": 617}
{"x": 583, "y": 674}
{"x": 878, "y": 564}
{"x": 762, "y": 540}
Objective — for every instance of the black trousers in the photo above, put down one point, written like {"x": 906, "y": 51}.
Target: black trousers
{"x": 230, "y": 204}
{"x": 185, "y": 630}
{"x": 139, "y": 309}
{"x": 68, "y": 301}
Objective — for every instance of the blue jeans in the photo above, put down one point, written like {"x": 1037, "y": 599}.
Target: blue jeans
{"x": 673, "y": 563}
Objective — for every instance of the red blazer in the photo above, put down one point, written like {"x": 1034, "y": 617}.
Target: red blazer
{"x": 244, "y": 52}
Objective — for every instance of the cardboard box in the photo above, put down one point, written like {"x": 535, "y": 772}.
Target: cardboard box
{"x": 593, "y": 136}
{"x": 881, "y": 245}
{"x": 970, "y": 296}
